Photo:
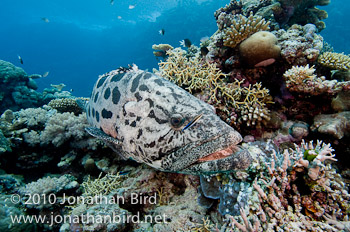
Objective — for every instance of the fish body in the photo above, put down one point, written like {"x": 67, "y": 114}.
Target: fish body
{"x": 151, "y": 120}
{"x": 46, "y": 20}
{"x": 20, "y": 59}
{"x": 161, "y": 31}
{"x": 186, "y": 43}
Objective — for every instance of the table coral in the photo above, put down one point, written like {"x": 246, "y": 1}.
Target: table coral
{"x": 335, "y": 60}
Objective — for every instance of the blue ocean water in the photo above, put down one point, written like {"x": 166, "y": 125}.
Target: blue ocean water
{"x": 78, "y": 40}
{"x": 86, "y": 38}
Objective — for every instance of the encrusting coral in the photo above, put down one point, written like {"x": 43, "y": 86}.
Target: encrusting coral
{"x": 336, "y": 125}
{"x": 241, "y": 28}
{"x": 300, "y": 45}
{"x": 335, "y": 60}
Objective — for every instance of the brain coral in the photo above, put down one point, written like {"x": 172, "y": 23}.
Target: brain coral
{"x": 259, "y": 47}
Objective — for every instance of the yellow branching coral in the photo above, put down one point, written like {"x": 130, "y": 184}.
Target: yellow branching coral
{"x": 335, "y": 60}
{"x": 195, "y": 76}
{"x": 242, "y": 28}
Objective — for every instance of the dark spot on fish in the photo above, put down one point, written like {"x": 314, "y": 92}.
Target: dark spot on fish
{"x": 133, "y": 124}
{"x": 151, "y": 104}
{"x": 138, "y": 118}
{"x": 158, "y": 120}
{"x": 159, "y": 82}
{"x": 115, "y": 95}
{"x": 139, "y": 133}
{"x": 96, "y": 97}
{"x": 143, "y": 88}
{"x": 162, "y": 109}
{"x": 107, "y": 93}
{"x": 176, "y": 96}
{"x": 89, "y": 111}
{"x": 171, "y": 139}
{"x": 126, "y": 122}
{"x": 157, "y": 92}
{"x": 141, "y": 151}
{"x": 117, "y": 77}
{"x": 106, "y": 114}
{"x": 97, "y": 116}
{"x": 138, "y": 96}
{"x": 93, "y": 112}
{"x": 147, "y": 76}
{"x": 101, "y": 81}
{"x": 135, "y": 83}
{"x": 152, "y": 144}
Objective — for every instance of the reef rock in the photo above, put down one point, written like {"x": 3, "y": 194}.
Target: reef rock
{"x": 337, "y": 125}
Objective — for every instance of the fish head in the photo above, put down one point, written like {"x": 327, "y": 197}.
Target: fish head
{"x": 159, "y": 132}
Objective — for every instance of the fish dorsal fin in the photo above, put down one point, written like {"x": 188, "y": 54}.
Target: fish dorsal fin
{"x": 102, "y": 135}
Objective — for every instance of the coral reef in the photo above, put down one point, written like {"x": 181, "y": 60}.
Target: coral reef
{"x": 303, "y": 80}
{"x": 17, "y": 89}
{"x": 43, "y": 187}
{"x": 300, "y": 45}
{"x": 249, "y": 102}
{"x": 334, "y": 60}
{"x": 298, "y": 186}
{"x": 303, "y": 12}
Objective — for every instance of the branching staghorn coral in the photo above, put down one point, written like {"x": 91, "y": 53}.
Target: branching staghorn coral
{"x": 195, "y": 76}
{"x": 301, "y": 79}
{"x": 101, "y": 185}
{"x": 242, "y": 27}
{"x": 296, "y": 191}
{"x": 335, "y": 60}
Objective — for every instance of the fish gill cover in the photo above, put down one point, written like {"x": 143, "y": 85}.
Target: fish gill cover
{"x": 256, "y": 105}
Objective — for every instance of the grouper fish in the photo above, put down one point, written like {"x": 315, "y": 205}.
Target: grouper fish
{"x": 145, "y": 117}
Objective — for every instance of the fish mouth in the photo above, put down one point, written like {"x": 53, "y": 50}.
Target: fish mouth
{"x": 220, "y": 154}
{"x": 229, "y": 156}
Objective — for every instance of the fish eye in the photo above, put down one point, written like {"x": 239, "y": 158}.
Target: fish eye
{"x": 177, "y": 120}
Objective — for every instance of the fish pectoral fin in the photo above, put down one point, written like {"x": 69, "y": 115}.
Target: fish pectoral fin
{"x": 103, "y": 136}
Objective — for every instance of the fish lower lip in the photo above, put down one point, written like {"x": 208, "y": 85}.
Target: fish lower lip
{"x": 221, "y": 154}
